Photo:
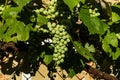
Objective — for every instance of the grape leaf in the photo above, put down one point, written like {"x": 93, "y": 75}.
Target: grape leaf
{"x": 71, "y": 72}
{"x": 115, "y": 17}
{"x": 83, "y": 51}
{"x": 106, "y": 47}
{"x": 11, "y": 12}
{"x": 41, "y": 20}
{"x": 21, "y": 3}
{"x": 111, "y": 38}
{"x": 116, "y": 54}
{"x": 91, "y": 48}
{"x": 72, "y": 3}
{"x": 16, "y": 30}
{"x": 47, "y": 59}
{"x": 94, "y": 24}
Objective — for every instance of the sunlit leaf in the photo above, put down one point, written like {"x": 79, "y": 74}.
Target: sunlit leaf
{"x": 83, "y": 51}
{"x": 115, "y": 17}
{"x": 21, "y": 3}
{"x": 47, "y": 59}
{"x": 72, "y": 3}
{"x": 91, "y": 48}
{"x": 41, "y": 20}
{"x": 94, "y": 24}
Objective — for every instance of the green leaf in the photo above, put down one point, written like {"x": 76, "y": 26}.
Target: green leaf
{"x": 83, "y": 1}
{"x": 116, "y": 54}
{"x": 94, "y": 24}
{"x": 71, "y": 72}
{"x": 41, "y": 20}
{"x": 115, "y": 17}
{"x": 111, "y": 38}
{"x": 90, "y": 47}
{"x": 71, "y": 3}
{"x": 47, "y": 59}
{"x": 83, "y": 51}
{"x": 106, "y": 47}
{"x": 21, "y": 3}
{"x": 11, "y": 12}
{"x": 16, "y": 30}
{"x": 118, "y": 35}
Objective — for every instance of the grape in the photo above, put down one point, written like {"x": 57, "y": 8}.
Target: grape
{"x": 63, "y": 55}
{"x": 62, "y": 60}
{"x": 55, "y": 59}
{"x": 59, "y": 57}
{"x": 41, "y": 10}
{"x": 94, "y": 12}
{"x": 60, "y": 35}
{"x": 55, "y": 55}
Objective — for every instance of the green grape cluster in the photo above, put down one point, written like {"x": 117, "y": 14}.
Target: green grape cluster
{"x": 60, "y": 40}
{"x": 50, "y": 12}
{"x": 94, "y": 12}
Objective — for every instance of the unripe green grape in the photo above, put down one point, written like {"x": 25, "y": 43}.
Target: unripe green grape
{"x": 64, "y": 33}
{"x": 96, "y": 9}
{"x": 63, "y": 46}
{"x": 53, "y": 31}
{"x": 58, "y": 62}
{"x": 61, "y": 15}
{"x": 52, "y": 3}
{"x": 55, "y": 59}
{"x": 59, "y": 50}
{"x": 90, "y": 10}
{"x": 52, "y": 10}
{"x": 62, "y": 40}
{"x": 48, "y": 16}
{"x": 68, "y": 40}
{"x": 54, "y": 41}
{"x": 64, "y": 37}
{"x": 45, "y": 12}
{"x": 60, "y": 44}
{"x": 54, "y": 0}
{"x": 55, "y": 50}
{"x": 59, "y": 57}
{"x": 62, "y": 55}
{"x": 65, "y": 49}
{"x": 57, "y": 32}
{"x": 41, "y": 9}
{"x": 62, "y": 60}
{"x": 52, "y": 16}
{"x": 97, "y": 14}
{"x": 53, "y": 24}
{"x": 65, "y": 42}
{"x": 60, "y": 34}
{"x": 62, "y": 51}
{"x": 55, "y": 55}
{"x": 56, "y": 13}
{"x": 58, "y": 53}
{"x": 57, "y": 47}
{"x": 56, "y": 35}
{"x": 49, "y": 24}
{"x": 61, "y": 29}
{"x": 69, "y": 17}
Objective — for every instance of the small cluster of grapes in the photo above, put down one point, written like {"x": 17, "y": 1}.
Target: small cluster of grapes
{"x": 50, "y": 11}
{"x": 94, "y": 12}
{"x": 41, "y": 28}
{"x": 60, "y": 40}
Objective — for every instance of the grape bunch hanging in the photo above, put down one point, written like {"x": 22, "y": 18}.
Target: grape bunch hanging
{"x": 61, "y": 37}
